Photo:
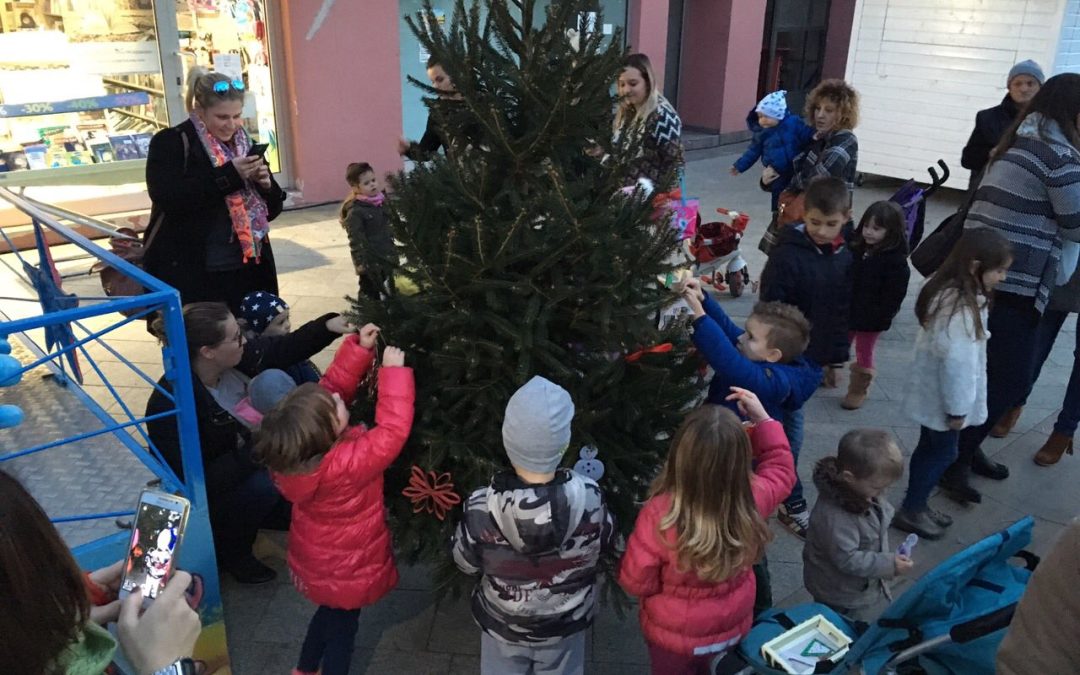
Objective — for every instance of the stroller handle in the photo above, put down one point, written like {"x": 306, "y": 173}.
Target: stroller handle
{"x": 978, "y": 627}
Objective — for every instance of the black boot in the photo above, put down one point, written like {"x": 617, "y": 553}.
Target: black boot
{"x": 958, "y": 488}
{"x": 981, "y": 465}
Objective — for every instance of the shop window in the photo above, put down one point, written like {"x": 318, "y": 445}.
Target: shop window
{"x": 80, "y": 84}
{"x": 230, "y": 36}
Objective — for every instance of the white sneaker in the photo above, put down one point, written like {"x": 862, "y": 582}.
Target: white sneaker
{"x": 796, "y": 519}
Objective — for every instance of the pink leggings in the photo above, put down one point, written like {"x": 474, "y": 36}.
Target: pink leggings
{"x": 864, "y": 348}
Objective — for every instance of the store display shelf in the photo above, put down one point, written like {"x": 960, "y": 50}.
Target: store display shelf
{"x": 107, "y": 173}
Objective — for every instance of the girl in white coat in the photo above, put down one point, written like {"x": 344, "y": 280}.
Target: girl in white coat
{"x": 947, "y": 390}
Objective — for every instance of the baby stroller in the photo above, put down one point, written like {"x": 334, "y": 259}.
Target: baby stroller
{"x": 912, "y": 199}
{"x": 949, "y": 622}
{"x": 716, "y": 245}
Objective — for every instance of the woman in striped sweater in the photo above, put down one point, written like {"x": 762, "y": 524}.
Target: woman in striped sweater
{"x": 1031, "y": 194}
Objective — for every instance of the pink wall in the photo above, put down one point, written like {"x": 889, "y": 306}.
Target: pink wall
{"x": 838, "y": 38}
{"x": 720, "y": 60}
{"x": 647, "y": 33}
{"x": 337, "y": 114}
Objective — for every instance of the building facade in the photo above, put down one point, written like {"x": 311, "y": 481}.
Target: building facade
{"x": 85, "y": 83}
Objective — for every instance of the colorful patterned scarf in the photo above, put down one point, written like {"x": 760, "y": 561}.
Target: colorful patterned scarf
{"x": 377, "y": 200}
{"x": 247, "y": 208}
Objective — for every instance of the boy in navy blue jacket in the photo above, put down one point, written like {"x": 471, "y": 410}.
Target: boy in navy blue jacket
{"x": 811, "y": 269}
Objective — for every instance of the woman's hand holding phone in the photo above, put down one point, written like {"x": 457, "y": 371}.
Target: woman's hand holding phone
{"x": 247, "y": 167}
{"x": 165, "y": 632}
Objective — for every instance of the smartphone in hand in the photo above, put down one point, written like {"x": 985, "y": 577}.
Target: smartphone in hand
{"x": 258, "y": 150}
{"x": 160, "y": 519}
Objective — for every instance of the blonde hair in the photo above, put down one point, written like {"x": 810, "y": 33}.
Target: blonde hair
{"x": 200, "y": 89}
{"x": 708, "y": 476}
{"x": 652, "y": 101}
{"x": 297, "y": 429}
{"x": 870, "y": 453}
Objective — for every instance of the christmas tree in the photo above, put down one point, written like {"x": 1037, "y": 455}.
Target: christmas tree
{"x": 525, "y": 257}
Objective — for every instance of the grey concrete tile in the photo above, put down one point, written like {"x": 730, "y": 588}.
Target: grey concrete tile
{"x": 1033, "y": 488}
{"x": 462, "y": 664}
{"x": 258, "y": 657}
{"x": 786, "y": 577}
{"x": 399, "y": 662}
{"x": 616, "y": 668}
{"x": 400, "y": 621}
{"x": 454, "y": 630}
{"x": 618, "y": 640}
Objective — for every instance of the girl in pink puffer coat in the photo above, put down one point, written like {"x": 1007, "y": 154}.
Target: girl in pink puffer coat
{"x": 689, "y": 558}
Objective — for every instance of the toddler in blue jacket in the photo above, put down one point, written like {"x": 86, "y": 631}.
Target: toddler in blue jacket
{"x": 778, "y": 138}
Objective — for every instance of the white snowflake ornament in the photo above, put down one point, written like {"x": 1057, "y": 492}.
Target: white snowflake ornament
{"x": 589, "y": 466}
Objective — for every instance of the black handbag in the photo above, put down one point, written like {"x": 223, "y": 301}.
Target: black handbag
{"x": 932, "y": 251}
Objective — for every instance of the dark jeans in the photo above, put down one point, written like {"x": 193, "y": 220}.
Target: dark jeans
{"x": 934, "y": 453}
{"x": 329, "y": 641}
{"x": 1045, "y": 336}
{"x": 237, "y": 515}
{"x": 763, "y": 586}
{"x": 793, "y": 428}
{"x": 1010, "y": 361}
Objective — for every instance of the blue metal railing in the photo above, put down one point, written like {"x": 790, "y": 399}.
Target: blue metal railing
{"x": 158, "y": 298}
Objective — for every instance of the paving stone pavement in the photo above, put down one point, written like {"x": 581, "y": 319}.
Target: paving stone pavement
{"x": 409, "y": 633}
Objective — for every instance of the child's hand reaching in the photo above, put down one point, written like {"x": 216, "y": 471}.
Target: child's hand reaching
{"x": 694, "y": 301}
{"x": 392, "y": 356}
{"x": 734, "y": 171}
{"x": 956, "y": 423}
{"x": 903, "y": 564}
{"x": 691, "y": 284}
{"x": 368, "y": 334}
{"x": 340, "y": 325}
{"x": 749, "y": 404}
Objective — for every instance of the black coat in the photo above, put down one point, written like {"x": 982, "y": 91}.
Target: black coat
{"x": 225, "y": 442}
{"x": 879, "y": 283}
{"x": 369, "y": 235}
{"x": 990, "y": 125}
{"x": 188, "y": 204}
{"x": 817, "y": 280}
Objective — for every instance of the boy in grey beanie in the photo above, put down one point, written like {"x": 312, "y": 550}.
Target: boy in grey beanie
{"x": 535, "y": 536}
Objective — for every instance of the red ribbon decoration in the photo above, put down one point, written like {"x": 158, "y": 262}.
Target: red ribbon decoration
{"x": 431, "y": 492}
{"x": 658, "y": 349}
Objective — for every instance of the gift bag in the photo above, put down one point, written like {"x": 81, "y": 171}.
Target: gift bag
{"x": 683, "y": 210}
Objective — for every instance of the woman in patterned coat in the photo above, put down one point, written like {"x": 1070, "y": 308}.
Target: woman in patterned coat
{"x": 641, "y": 104}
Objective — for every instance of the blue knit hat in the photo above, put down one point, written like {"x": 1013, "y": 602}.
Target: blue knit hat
{"x": 258, "y": 309}
{"x": 774, "y": 105}
{"x": 268, "y": 388}
{"x": 1028, "y": 67}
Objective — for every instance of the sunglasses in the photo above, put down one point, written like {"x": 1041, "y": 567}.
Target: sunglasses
{"x": 223, "y": 86}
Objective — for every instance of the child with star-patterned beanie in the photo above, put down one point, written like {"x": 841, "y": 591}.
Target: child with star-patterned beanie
{"x": 264, "y": 314}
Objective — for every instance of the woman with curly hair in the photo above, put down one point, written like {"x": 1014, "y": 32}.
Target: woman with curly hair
{"x": 833, "y": 110}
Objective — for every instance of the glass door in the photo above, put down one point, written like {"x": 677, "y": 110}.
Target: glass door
{"x": 794, "y": 48}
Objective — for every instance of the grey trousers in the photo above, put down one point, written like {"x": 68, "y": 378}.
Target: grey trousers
{"x": 501, "y": 658}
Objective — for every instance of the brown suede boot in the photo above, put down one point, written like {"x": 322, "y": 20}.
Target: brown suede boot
{"x": 829, "y": 377}
{"x": 1056, "y": 446}
{"x": 858, "y": 387}
{"x": 1005, "y": 425}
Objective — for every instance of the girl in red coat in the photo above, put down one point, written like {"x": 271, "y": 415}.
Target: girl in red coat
{"x": 339, "y": 546}
{"x": 689, "y": 558}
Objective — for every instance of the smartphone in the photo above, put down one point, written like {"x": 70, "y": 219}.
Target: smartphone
{"x": 160, "y": 519}
{"x": 258, "y": 150}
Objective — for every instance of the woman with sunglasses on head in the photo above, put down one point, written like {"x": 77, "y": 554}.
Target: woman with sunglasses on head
{"x": 211, "y": 203}
{"x": 225, "y": 375}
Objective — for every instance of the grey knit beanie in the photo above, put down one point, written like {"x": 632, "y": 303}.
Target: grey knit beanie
{"x": 1028, "y": 67}
{"x": 536, "y": 427}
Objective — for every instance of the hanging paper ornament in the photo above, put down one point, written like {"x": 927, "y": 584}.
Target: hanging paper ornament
{"x": 589, "y": 466}
{"x": 431, "y": 492}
